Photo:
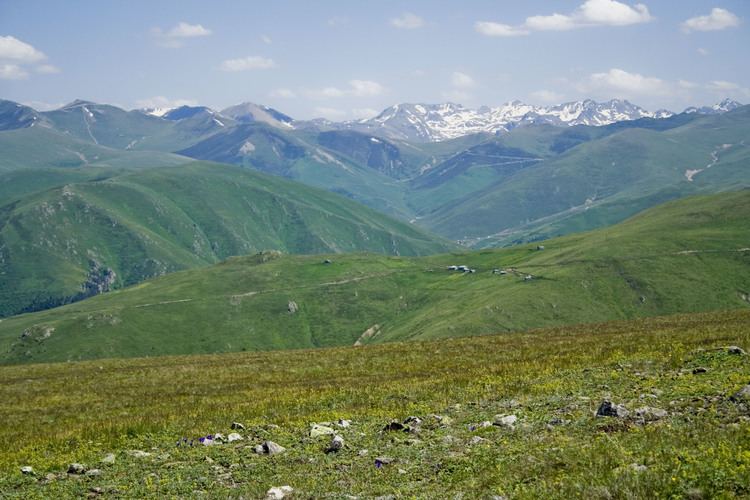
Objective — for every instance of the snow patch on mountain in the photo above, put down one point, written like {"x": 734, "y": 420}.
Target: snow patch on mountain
{"x": 438, "y": 122}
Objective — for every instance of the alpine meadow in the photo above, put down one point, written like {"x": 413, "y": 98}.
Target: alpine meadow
{"x": 401, "y": 250}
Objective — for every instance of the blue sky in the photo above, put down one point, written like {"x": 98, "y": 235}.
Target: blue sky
{"x": 347, "y": 59}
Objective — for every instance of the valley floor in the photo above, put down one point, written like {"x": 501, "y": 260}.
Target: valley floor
{"x": 683, "y": 430}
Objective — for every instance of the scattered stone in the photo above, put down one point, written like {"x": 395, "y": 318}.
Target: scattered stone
{"x": 413, "y": 421}
{"x": 259, "y": 449}
{"x": 50, "y": 477}
{"x": 219, "y": 438}
{"x": 139, "y": 453}
{"x": 27, "y": 470}
{"x": 271, "y": 448}
{"x": 337, "y": 442}
{"x": 699, "y": 369}
{"x": 401, "y": 471}
{"x": 321, "y": 430}
{"x": 94, "y": 472}
{"x": 742, "y": 395}
{"x": 396, "y": 426}
{"x": 75, "y": 468}
{"x": 609, "y": 409}
{"x": 292, "y": 307}
{"x": 381, "y": 461}
{"x": 234, "y": 437}
{"x": 477, "y": 440}
{"x": 96, "y": 490}
{"x": 279, "y": 492}
{"x": 733, "y": 349}
{"x": 344, "y": 423}
{"x": 638, "y": 467}
{"x": 649, "y": 414}
{"x": 507, "y": 421}
{"x": 363, "y": 452}
{"x": 236, "y": 426}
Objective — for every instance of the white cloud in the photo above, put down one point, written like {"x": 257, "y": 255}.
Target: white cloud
{"x": 176, "y": 36}
{"x": 621, "y": 83}
{"x": 547, "y": 96}
{"x": 407, "y": 21}
{"x": 360, "y": 113}
{"x": 686, "y": 84}
{"x": 283, "y": 93}
{"x": 13, "y": 49}
{"x": 365, "y": 88}
{"x": 12, "y": 72}
{"x": 589, "y": 13}
{"x": 247, "y": 63}
{"x": 43, "y": 106}
{"x": 718, "y": 19}
{"x": 722, "y": 86}
{"x": 456, "y": 96}
{"x": 337, "y": 21}
{"x": 266, "y": 39}
{"x": 329, "y": 113}
{"x": 497, "y": 29}
{"x": 160, "y": 101}
{"x": 462, "y": 80}
{"x": 357, "y": 88}
{"x": 702, "y": 51}
{"x": 47, "y": 69}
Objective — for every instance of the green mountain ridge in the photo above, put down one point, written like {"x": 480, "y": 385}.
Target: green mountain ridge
{"x": 126, "y": 227}
{"x": 685, "y": 256}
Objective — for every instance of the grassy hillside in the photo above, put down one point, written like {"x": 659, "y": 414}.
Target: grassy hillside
{"x": 126, "y": 228}
{"x": 689, "y": 255}
{"x": 600, "y": 181}
{"x": 685, "y": 435}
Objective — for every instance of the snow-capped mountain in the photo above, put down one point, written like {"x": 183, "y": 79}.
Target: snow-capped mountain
{"x": 438, "y": 122}
{"x": 721, "y": 107}
{"x": 247, "y": 112}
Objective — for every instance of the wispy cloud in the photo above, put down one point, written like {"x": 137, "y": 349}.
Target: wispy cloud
{"x": 329, "y": 113}
{"x": 356, "y": 88}
{"x": 160, "y": 101}
{"x": 176, "y": 36}
{"x": 590, "y": 13}
{"x": 718, "y": 19}
{"x": 407, "y": 21}
{"x": 462, "y": 80}
{"x": 622, "y": 83}
{"x": 266, "y": 39}
{"x": 282, "y": 93}
{"x": 18, "y": 59}
{"x": 247, "y": 64}
{"x": 547, "y": 96}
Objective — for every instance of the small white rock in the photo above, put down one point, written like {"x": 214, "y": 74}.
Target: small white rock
{"x": 234, "y": 437}
{"x": 508, "y": 421}
{"x": 27, "y": 469}
{"x": 279, "y": 492}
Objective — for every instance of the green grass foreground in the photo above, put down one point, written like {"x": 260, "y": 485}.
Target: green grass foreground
{"x": 553, "y": 380}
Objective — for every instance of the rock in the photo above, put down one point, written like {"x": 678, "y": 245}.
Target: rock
{"x": 50, "y": 477}
{"x": 234, "y": 437}
{"x": 96, "y": 490}
{"x": 337, "y": 442}
{"x": 271, "y": 448}
{"x": 363, "y": 452}
{"x": 75, "y": 468}
{"x": 485, "y": 424}
{"x": 507, "y": 421}
{"x": 279, "y": 492}
{"x": 94, "y": 472}
{"x": 292, "y": 307}
{"x": 477, "y": 440}
{"x": 236, "y": 426}
{"x": 321, "y": 430}
{"x": 413, "y": 421}
{"x": 219, "y": 438}
{"x": 699, "y": 369}
{"x": 396, "y": 426}
{"x": 733, "y": 349}
{"x": 609, "y": 409}
{"x": 401, "y": 471}
{"x": 259, "y": 449}
{"x": 649, "y": 414}
{"x": 344, "y": 423}
{"x": 742, "y": 395}
{"x": 381, "y": 461}
{"x": 139, "y": 453}
{"x": 109, "y": 459}
{"x": 638, "y": 467}
{"x": 27, "y": 470}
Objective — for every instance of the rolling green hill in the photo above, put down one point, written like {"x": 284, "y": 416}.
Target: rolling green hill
{"x": 83, "y": 237}
{"x": 686, "y": 256}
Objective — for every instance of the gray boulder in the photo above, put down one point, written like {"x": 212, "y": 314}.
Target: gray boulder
{"x": 76, "y": 468}
{"x": 743, "y": 395}
{"x": 733, "y": 349}
{"x": 609, "y": 409}
{"x": 27, "y": 469}
{"x": 337, "y": 443}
